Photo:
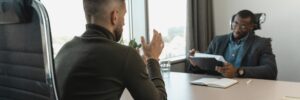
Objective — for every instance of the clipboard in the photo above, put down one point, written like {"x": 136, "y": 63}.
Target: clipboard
{"x": 207, "y": 63}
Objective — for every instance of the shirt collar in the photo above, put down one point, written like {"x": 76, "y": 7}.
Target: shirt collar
{"x": 93, "y": 30}
{"x": 239, "y": 41}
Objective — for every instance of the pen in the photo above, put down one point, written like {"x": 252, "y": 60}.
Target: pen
{"x": 291, "y": 97}
{"x": 249, "y": 81}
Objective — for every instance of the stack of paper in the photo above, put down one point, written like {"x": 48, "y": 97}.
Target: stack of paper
{"x": 207, "y": 61}
{"x": 203, "y": 55}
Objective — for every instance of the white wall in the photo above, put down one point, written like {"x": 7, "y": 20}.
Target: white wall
{"x": 282, "y": 25}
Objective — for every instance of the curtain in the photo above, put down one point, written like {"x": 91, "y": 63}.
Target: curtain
{"x": 200, "y": 29}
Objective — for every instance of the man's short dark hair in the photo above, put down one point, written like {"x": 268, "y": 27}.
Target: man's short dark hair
{"x": 98, "y": 7}
{"x": 247, "y": 14}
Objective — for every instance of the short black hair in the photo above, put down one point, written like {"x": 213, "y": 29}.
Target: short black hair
{"x": 247, "y": 14}
{"x": 98, "y": 7}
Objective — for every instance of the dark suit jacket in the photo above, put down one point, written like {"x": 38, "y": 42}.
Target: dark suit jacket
{"x": 95, "y": 67}
{"x": 258, "y": 59}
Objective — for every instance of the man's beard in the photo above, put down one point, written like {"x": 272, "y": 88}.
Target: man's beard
{"x": 240, "y": 35}
{"x": 118, "y": 33}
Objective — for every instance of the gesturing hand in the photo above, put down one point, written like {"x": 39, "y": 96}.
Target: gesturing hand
{"x": 154, "y": 48}
{"x": 192, "y": 53}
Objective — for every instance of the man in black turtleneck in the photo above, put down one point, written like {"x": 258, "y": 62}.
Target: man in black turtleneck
{"x": 95, "y": 67}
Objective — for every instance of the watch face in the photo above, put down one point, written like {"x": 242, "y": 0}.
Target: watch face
{"x": 241, "y": 72}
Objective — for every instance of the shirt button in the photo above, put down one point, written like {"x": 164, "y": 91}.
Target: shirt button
{"x": 233, "y": 55}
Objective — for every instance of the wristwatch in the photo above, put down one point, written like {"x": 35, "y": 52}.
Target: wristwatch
{"x": 240, "y": 72}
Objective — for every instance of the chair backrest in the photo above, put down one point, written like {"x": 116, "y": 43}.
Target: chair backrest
{"x": 26, "y": 64}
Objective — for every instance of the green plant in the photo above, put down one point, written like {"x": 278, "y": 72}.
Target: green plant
{"x": 134, "y": 44}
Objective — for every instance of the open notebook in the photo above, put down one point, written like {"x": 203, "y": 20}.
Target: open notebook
{"x": 215, "y": 82}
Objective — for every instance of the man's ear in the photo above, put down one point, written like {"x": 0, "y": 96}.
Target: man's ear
{"x": 114, "y": 17}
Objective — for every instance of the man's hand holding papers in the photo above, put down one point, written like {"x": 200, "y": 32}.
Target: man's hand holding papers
{"x": 212, "y": 62}
{"x": 207, "y": 61}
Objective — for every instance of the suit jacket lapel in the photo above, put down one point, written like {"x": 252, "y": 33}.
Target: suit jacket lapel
{"x": 247, "y": 46}
{"x": 224, "y": 45}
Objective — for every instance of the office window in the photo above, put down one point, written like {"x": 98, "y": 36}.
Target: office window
{"x": 169, "y": 17}
{"x": 68, "y": 20}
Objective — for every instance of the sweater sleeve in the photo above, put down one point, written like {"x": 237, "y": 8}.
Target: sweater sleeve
{"x": 140, "y": 84}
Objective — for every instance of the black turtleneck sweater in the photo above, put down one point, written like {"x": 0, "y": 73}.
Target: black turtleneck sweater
{"x": 95, "y": 67}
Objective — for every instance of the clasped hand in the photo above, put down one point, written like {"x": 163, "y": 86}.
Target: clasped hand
{"x": 228, "y": 70}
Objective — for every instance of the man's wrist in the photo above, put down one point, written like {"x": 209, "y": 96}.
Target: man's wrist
{"x": 240, "y": 72}
{"x": 154, "y": 58}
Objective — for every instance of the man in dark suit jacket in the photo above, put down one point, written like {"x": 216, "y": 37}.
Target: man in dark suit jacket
{"x": 247, "y": 55}
{"x": 95, "y": 67}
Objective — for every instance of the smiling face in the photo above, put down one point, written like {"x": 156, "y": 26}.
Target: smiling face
{"x": 242, "y": 26}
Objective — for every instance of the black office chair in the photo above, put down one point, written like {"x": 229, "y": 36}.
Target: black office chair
{"x": 26, "y": 64}
{"x": 260, "y": 19}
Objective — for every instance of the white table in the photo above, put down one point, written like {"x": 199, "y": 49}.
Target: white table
{"x": 179, "y": 88}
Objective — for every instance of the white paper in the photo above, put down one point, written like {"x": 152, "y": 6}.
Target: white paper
{"x": 204, "y": 55}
